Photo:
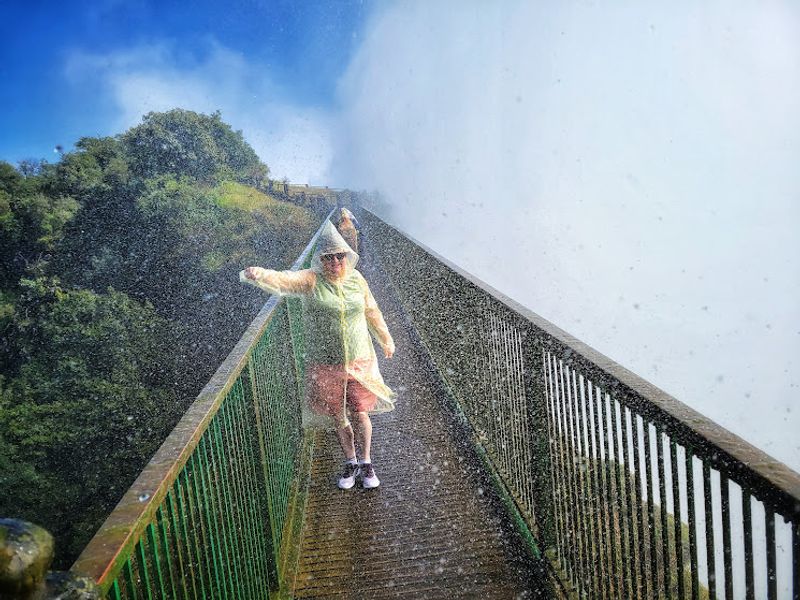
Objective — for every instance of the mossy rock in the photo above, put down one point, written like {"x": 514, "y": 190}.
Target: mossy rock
{"x": 26, "y": 551}
{"x": 67, "y": 586}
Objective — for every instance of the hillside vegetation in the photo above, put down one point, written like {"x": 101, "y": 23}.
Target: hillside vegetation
{"x": 119, "y": 298}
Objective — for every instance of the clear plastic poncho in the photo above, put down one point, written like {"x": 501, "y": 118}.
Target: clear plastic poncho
{"x": 339, "y": 313}
{"x": 347, "y": 225}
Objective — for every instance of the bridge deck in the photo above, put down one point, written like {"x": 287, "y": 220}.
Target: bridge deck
{"x": 433, "y": 529}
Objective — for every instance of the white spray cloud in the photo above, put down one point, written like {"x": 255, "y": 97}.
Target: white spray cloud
{"x": 627, "y": 170}
{"x": 292, "y": 140}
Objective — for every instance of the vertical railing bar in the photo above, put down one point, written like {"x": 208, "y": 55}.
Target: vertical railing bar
{"x": 490, "y": 440}
{"x": 115, "y": 592}
{"x": 162, "y": 529}
{"x": 795, "y": 559}
{"x": 197, "y": 527}
{"x": 578, "y": 483}
{"x": 574, "y": 570}
{"x": 747, "y": 526}
{"x": 527, "y": 449}
{"x": 772, "y": 569}
{"x": 246, "y": 490}
{"x": 211, "y": 515}
{"x": 184, "y": 514}
{"x": 153, "y": 545}
{"x": 202, "y": 511}
{"x": 246, "y": 519}
{"x": 711, "y": 556}
{"x": 650, "y": 482}
{"x": 272, "y": 481}
{"x": 143, "y": 572}
{"x": 630, "y": 526}
{"x": 689, "y": 456}
{"x": 511, "y": 449}
{"x": 219, "y": 469}
{"x": 177, "y": 536}
{"x": 509, "y": 429}
{"x": 196, "y": 564}
{"x": 583, "y": 481}
{"x": 555, "y": 440}
{"x": 637, "y": 498}
{"x": 666, "y": 575}
{"x": 129, "y": 583}
{"x": 596, "y": 462}
{"x": 523, "y": 423}
{"x": 244, "y": 482}
{"x": 502, "y": 389}
{"x": 243, "y": 541}
{"x": 727, "y": 555}
{"x": 227, "y": 445}
{"x": 229, "y": 565}
{"x": 257, "y": 496}
{"x": 591, "y": 494}
{"x": 483, "y": 416}
{"x": 617, "y": 468}
{"x": 489, "y": 386}
{"x": 277, "y": 431}
{"x": 270, "y": 552}
{"x": 677, "y": 519}
{"x": 606, "y": 554}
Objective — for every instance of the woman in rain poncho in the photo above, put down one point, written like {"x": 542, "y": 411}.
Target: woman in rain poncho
{"x": 347, "y": 225}
{"x": 342, "y": 376}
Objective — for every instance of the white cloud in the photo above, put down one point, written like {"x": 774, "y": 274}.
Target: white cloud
{"x": 627, "y": 170}
{"x": 293, "y": 141}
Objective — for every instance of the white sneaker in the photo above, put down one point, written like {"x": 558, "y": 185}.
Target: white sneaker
{"x": 370, "y": 480}
{"x": 348, "y": 477}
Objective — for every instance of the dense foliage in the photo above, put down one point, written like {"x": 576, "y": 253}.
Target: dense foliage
{"x": 118, "y": 300}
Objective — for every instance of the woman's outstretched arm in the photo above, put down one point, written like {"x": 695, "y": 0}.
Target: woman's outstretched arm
{"x": 283, "y": 283}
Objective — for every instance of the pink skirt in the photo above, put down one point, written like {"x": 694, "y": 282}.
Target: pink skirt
{"x": 330, "y": 385}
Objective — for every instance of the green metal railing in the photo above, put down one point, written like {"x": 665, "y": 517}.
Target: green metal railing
{"x": 629, "y": 493}
{"x": 218, "y": 510}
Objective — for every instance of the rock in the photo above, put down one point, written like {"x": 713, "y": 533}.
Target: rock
{"x": 26, "y": 551}
{"x": 68, "y": 586}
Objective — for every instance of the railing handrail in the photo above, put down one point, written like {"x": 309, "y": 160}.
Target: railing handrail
{"x": 693, "y": 427}
{"x": 102, "y": 557}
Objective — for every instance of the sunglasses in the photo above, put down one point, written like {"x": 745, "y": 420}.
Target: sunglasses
{"x": 337, "y": 256}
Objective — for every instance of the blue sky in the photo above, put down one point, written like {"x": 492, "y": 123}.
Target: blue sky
{"x": 302, "y": 46}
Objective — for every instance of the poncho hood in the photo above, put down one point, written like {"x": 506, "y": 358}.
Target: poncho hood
{"x": 330, "y": 241}
{"x": 345, "y": 215}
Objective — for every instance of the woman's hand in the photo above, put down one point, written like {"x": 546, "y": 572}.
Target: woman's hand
{"x": 252, "y": 272}
{"x": 388, "y": 350}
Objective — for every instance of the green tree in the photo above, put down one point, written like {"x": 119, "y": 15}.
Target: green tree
{"x": 118, "y": 300}
{"x": 89, "y": 403}
{"x": 32, "y": 223}
{"x": 199, "y": 146}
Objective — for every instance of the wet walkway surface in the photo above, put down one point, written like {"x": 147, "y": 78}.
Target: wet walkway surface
{"x": 434, "y": 528}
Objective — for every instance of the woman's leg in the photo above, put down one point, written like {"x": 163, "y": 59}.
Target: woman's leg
{"x": 347, "y": 439}
{"x": 364, "y": 426}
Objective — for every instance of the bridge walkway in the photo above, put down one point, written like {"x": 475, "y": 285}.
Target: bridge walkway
{"x": 435, "y": 527}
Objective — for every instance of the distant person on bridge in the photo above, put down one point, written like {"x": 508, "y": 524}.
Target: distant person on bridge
{"x": 342, "y": 376}
{"x": 347, "y": 225}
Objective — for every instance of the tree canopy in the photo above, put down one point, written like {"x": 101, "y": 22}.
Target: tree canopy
{"x": 118, "y": 300}
{"x": 199, "y": 146}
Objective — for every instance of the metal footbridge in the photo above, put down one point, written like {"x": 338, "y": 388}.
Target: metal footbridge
{"x": 520, "y": 463}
